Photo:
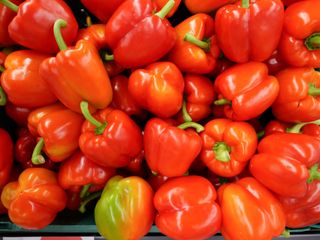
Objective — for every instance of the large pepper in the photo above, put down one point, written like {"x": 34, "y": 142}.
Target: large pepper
{"x": 250, "y": 211}
{"x": 110, "y": 137}
{"x": 33, "y": 25}
{"x": 58, "y": 129}
{"x": 170, "y": 150}
{"x": 6, "y": 157}
{"x": 21, "y": 80}
{"x": 227, "y": 146}
{"x": 300, "y": 42}
{"x": 207, "y": 6}
{"x": 286, "y": 163}
{"x": 249, "y": 30}
{"x": 158, "y": 88}
{"x": 137, "y": 35}
{"x": 196, "y": 50}
{"x": 298, "y": 99}
{"x": 186, "y": 208}
{"x": 35, "y": 199}
{"x": 161, "y": 3}
{"x": 124, "y": 203}
{"x": 246, "y": 90}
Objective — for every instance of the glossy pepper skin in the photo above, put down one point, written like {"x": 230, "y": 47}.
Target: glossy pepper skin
{"x": 199, "y": 95}
{"x": 77, "y": 74}
{"x": 78, "y": 171}
{"x": 242, "y": 30}
{"x": 134, "y": 28}
{"x": 304, "y": 211}
{"x": 298, "y": 99}
{"x": 22, "y": 82}
{"x": 119, "y": 142}
{"x": 158, "y": 88}
{"x": 227, "y": 146}
{"x": 35, "y": 199}
{"x": 208, "y": 6}
{"x": 183, "y": 213}
{"x": 169, "y": 150}
{"x": 124, "y": 203}
{"x": 33, "y": 24}
{"x": 6, "y": 157}
{"x": 18, "y": 114}
{"x": 247, "y": 197}
{"x": 190, "y": 57}
{"x": 300, "y": 42}
{"x": 275, "y": 63}
{"x": 60, "y": 129}
{"x": 286, "y": 162}
{"x": 246, "y": 89}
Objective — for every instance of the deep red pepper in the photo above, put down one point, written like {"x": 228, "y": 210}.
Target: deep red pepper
{"x": 275, "y": 63}
{"x": 18, "y": 114}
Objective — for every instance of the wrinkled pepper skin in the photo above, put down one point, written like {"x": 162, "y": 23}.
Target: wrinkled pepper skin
{"x": 78, "y": 171}
{"x": 78, "y": 74}
{"x": 247, "y": 197}
{"x": 22, "y": 82}
{"x": 187, "y": 209}
{"x": 300, "y": 43}
{"x": 283, "y": 161}
{"x": 248, "y": 88}
{"x": 190, "y": 57}
{"x": 102, "y": 9}
{"x": 169, "y": 150}
{"x": 120, "y": 142}
{"x": 158, "y": 88}
{"x": 6, "y": 157}
{"x": 298, "y": 99}
{"x": 134, "y": 28}
{"x": 124, "y": 203}
{"x": 303, "y": 212}
{"x": 242, "y": 32}
{"x": 33, "y": 24}
{"x": 35, "y": 199}
{"x": 205, "y": 6}
{"x": 59, "y": 127}
{"x": 227, "y": 146}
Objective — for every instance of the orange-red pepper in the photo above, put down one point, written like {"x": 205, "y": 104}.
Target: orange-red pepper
{"x": 208, "y": 6}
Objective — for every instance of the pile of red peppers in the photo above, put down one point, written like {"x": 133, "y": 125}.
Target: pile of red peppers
{"x": 199, "y": 117}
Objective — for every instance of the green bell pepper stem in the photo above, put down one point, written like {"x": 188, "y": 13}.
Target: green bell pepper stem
{"x": 86, "y": 200}
{"x": 100, "y": 127}
{"x": 108, "y": 57}
{"x": 88, "y": 21}
{"x": 84, "y": 191}
{"x": 186, "y": 116}
{"x": 10, "y": 5}
{"x": 195, "y": 41}
{"x": 285, "y": 233}
{"x": 222, "y": 101}
{"x": 3, "y": 97}
{"x": 313, "y": 90}
{"x": 37, "y": 158}
{"x": 260, "y": 134}
{"x": 58, "y": 24}
{"x": 297, "y": 128}
{"x": 245, "y": 3}
{"x": 314, "y": 174}
{"x": 199, "y": 128}
{"x": 313, "y": 41}
{"x": 222, "y": 152}
{"x": 166, "y": 9}
{"x": 2, "y": 69}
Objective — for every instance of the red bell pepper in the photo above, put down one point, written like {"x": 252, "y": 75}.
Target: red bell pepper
{"x": 6, "y": 16}
{"x": 21, "y": 80}
{"x": 161, "y": 3}
{"x": 300, "y": 42}
{"x": 18, "y": 114}
{"x": 242, "y": 29}
{"x": 32, "y": 27}
{"x": 6, "y": 157}
{"x": 158, "y": 88}
{"x": 156, "y": 181}
{"x": 199, "y": 95}
{"x": 286, "y": 163}
{"x": 196, "y": 50}
{"x": 227, "y": 146}
{"x": 246, "y": 90}
{"x": 137, "y": 35}
{"x": 58, "y": 129}
{"x": 304, "y": 211}
{"x": 187, "y": 209}
{"x": 136, "y": 166}
{"x": 275, "y": 63}
{"x": 170, "y": 150}
{"x": 110, "y": 137}
{"x": 249, "y": 211}
{"x": 35, "y": 199}
{"x": 208, "y": 6}
{"x": 298, "y": 99}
